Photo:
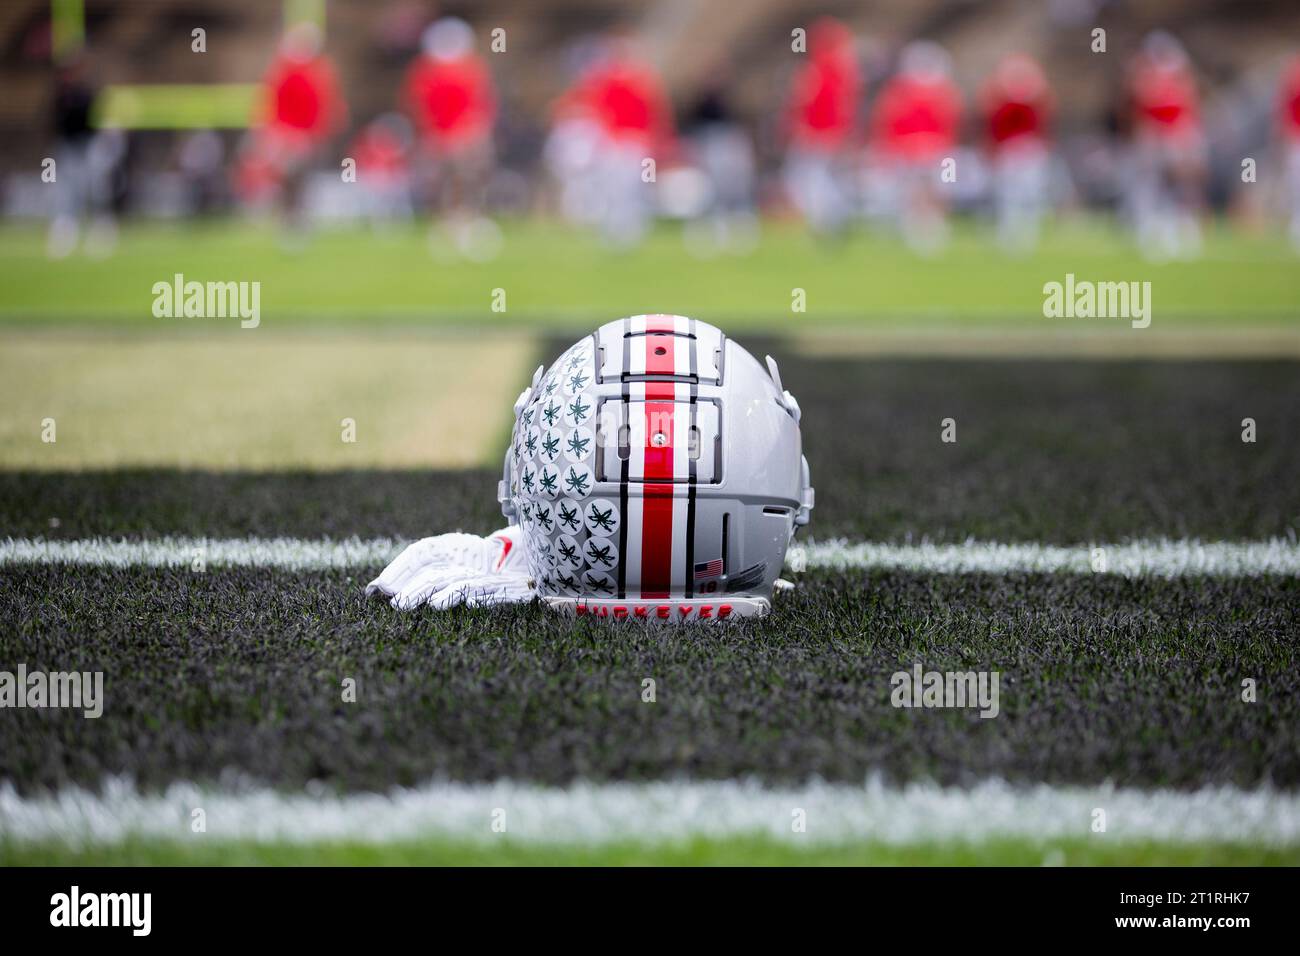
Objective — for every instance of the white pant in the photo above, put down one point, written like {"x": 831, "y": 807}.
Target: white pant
{"x": 815, "y": 182}
{"x": 1020, "y": 178}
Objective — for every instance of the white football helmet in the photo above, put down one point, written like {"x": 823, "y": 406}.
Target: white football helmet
{"x": 656, "y": 472}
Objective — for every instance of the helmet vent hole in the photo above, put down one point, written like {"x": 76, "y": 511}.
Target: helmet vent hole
{"x": 693, "y": 443}
{"x": 660, "y": 350}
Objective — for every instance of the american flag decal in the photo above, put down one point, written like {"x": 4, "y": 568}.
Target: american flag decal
{"x": 708, "y": 569}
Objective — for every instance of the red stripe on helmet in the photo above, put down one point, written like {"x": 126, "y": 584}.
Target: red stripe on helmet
{"x": 658, "y": 466}
{"x": 656, "y": 541}
{"x": 659, "y": 354}
{"x": 660, "y": 323}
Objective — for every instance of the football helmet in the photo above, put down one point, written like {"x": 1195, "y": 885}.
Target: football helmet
{"x": 656, "y": 471}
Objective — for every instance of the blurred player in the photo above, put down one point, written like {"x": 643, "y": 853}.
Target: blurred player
{"x": 450, "y": 95}
{"x": 1017, "y": 107}
{"x": 303, "y": 109}
{"x": 914, "y": 129}
{"x": 1166, "y": 192}
{"x": 84, "y": 165}
{"x": 621, "y": 101}
{"x": 723, "y": 150}
{"x": 573, "y": 142}
{"x": 253, "y": 177}
{"x": 1289, "y": 132}
{"x": 200, "y": 156}
{"x": 382, "y": 151}
{"x": 820, "y": 118}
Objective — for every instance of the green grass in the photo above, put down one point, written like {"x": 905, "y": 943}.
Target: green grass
{"x": 270, "y": 401}
{"x": 563, "y": 278}
{"x": 756, "y": 851}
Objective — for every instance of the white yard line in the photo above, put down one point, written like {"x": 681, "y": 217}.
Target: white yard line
{"x": 1155, "y": 557}
{"x": 589, "y": 814}
{"x": 293, "y": 554}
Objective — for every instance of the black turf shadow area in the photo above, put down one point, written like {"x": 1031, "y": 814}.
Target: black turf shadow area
{"x": 238, "y": 674}
{"x": 142, "y": 503}
{"x": 1052, "y": 451}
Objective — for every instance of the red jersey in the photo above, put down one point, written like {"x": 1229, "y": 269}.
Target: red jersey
{"x": 916, "y": 118}
{"x": 453, "y": 101}
{"x": 1289, "y": 102}
{"x": 1011, "y": 120}
{"x": 824, "y": 99}
{"x": 1017, "y": 103}
{"x": 303, "y": 98}
{"x": 625, "y": 101}
{"x": 1164, "y": 101}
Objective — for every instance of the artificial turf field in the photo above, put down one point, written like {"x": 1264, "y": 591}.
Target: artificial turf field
{"x": 229, "y": 678}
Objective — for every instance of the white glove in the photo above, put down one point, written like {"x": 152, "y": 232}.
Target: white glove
{"x": 451, "y": 569}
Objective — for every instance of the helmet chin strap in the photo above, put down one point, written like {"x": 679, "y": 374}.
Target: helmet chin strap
{"x": 808, "y": 495}
{"x": 788, "y": 401}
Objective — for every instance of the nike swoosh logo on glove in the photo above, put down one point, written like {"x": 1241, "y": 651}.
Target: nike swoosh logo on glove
{"x": 506, "y": 545}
